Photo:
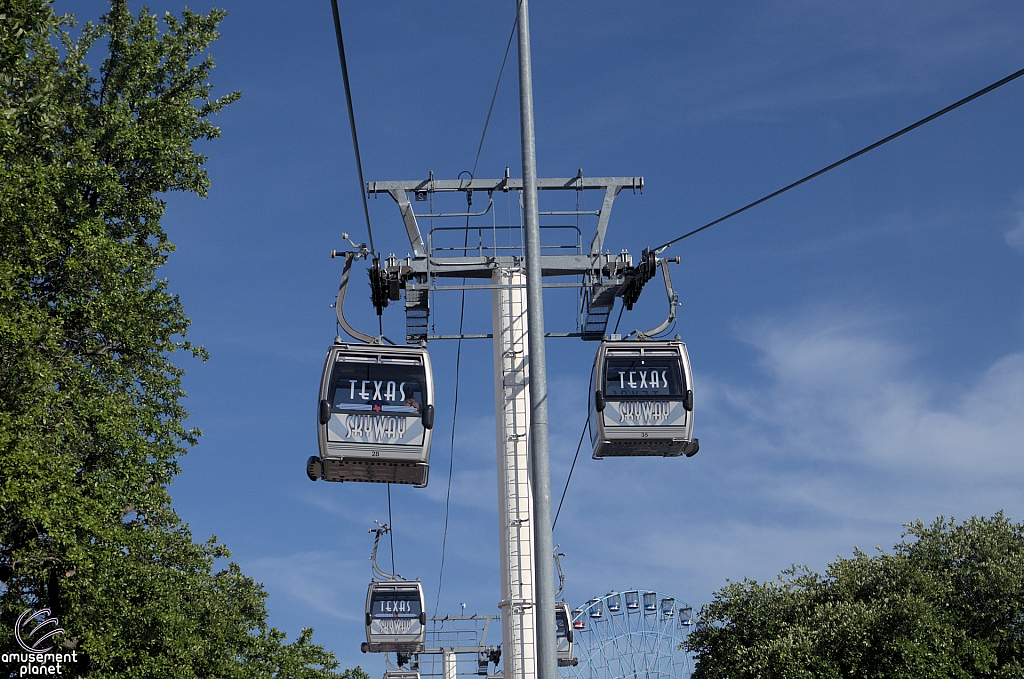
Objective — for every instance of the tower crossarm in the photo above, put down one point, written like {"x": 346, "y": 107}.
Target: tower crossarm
{"x": 422, "y": 188}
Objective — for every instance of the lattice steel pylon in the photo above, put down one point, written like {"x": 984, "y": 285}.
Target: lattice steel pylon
{"x": 631, "y": 634}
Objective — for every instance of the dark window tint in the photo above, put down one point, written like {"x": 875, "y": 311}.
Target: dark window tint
{"x": 395, "y": 605}
{"x": 560, "y": 623}
{"x": 647, "y": 376}
{"x": 377, "y": 386}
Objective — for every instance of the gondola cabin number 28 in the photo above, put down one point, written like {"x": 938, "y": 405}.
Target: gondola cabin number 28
{"x": 376, "y": 413}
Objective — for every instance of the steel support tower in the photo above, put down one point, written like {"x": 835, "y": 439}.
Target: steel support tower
{"x": 515, "y": 496}
{"x": 501, "y": 266}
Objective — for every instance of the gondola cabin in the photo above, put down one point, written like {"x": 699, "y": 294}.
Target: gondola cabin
{"x": 564, "y": 635}
{"x": 578, "y": 622}
{"x": 650, "y": 602}
{"x": 668, "y": 607}
{"x": 632, "y": 601}
{"x": 396, "y": 620}
{"x": 614, "y": 603}
{"x": 643, "y": 400}
{"x": 375, "y": 415}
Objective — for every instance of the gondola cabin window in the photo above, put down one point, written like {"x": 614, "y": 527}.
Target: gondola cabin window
{"x": 376, "y": 387}
{"x": 643, "y": 376}
{"x": 395, "y": 605}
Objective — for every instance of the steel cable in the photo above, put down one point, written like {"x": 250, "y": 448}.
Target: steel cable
{"x": 848, "y": 158}
{"x": 352, "y": 119}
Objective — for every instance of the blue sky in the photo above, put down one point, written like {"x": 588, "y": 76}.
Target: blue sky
{"x": 857, "y": 344}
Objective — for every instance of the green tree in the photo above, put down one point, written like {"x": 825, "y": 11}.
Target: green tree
{"x": 947, "y": 602}
{"x": 91, "y": 420}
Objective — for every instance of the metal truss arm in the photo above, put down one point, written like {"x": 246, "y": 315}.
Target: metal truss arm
{"x": 602, "y": 222}
{"x": 412, "y": 229}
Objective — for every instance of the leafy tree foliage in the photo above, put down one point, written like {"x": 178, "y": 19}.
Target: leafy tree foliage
{"x": 91, "y": 419}
{"x": 948, "y": 602}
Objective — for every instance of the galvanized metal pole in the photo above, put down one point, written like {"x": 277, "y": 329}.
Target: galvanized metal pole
{"x": 540, "y": 472}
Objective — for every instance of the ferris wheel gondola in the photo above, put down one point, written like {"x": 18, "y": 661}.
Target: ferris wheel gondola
{"x": 375, "y": 411}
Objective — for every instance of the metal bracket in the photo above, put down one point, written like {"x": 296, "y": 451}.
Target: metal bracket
{"x": 604, "y": 276}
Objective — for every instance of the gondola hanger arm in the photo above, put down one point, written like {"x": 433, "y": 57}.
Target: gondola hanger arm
{"x": 339, "y": 304}
{"x": 381, "y": 529}
{"x": 558, "y": 566}
{"x": 673, "y": 302}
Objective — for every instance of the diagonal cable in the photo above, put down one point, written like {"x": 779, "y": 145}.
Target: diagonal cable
{"x": 567, "y": 480}
{"x": 494, "y": 96}
{"x": 451, "y": 457}
{"x": 880, "y": 142}
{"x": 352, "y": 118}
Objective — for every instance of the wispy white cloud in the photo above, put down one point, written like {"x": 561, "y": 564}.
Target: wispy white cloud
{"x": 325, "y": 582}
{"x": 840, "y": 439}
{"x": 1015, "y": 236}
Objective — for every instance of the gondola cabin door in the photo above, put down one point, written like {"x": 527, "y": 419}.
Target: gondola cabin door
{"x": 643, "y": 400}
{"x": 376, "y": 414}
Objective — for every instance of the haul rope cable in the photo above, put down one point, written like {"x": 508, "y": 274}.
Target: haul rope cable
{"x": 391, "y": 533}
{"x": 848, "y": 158}
{"x": 586, "y": 427}
{"x": 451, "y": 456}
{"x": 583, "y": 433}
{"x": 495, "y": 95}
{"x": 352, "y": 119}
{"x": 661, "y": 248}
{"x": 462, "y": 315}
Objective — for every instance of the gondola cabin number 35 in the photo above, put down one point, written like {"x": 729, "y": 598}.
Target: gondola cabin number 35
{"x": 643, "y": 399}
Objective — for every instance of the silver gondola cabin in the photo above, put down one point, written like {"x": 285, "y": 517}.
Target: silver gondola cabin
{"x": 395, "y": 617}
{"x": 643, "y": 399}
{"x": 375, "y": 415}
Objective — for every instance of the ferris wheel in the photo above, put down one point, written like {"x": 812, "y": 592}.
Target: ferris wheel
{"x": 633, "y": 634}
